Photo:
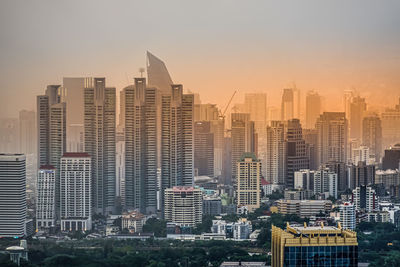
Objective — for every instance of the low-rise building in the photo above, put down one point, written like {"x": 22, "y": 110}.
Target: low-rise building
{"x": 304, "y": 208}
{"x": 133, "y": 221}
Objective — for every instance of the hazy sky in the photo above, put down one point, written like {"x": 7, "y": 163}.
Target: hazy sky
{"x": 211, "y": 47}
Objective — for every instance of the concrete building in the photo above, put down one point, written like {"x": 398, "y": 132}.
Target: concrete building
{"x": 357, "y": 111}
{"x": 364, "y": 198}
{"x": 304, "y": 208}
{"x": 391, "y": 126}
{"x": 248, "y": 187}
{"x": 326, "y": 181}
{"x": 133, "y": 221}
{"x": 212, "y": 206}
{"x": 141, "y": 147}
{"x": 332, "y": 137}
{"x": 391, "y": 160}
{"x": 276, "y": 153}
{"x": 348, "y": 216}
{"x": 203, "y": 148}
{"x": 243, "y": 139}
{"x": 372, "y": 135}
{"x": 76, "y": 192}
{"x": 304, "y": 179}
{"x": 296, "y": 153}
{"x": 12, "y": 195}
{"x": 361, "y": 175}
{"x": 177, "y": 155}
{"x": 99, "y": 125}
{"x": 46, "y": 198}
{"x": 313, "y": 108}
{"x": 389, "y": 178}
{"x": 183, "y": 205}
{"x": 378, "y": 216}
{"x": 313, "y": 245}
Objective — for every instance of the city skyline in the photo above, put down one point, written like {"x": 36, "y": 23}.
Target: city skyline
{"x": 258, "y": 47}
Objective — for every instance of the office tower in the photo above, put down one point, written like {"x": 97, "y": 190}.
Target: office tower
{"x": 361, "y": 153}
{"x": 51, "y": 126}
{"x": 12, "y": 195}
{"x": 45, "y": 198}
{"x": 99, "y": 122}
{"x": 340, "y": 169}
{"x": 310, "y": 136}
{"x": 227, "y": 161}
{"x": 304, "y": 246}
{"x": 391, "y": 126}
{"x": 361, "y": 174}
{"x": 364, "y": 198}
{"x": 357, "y": 110}
{"x": 304, "y": 179}
{"x": 141, "y": 147}
{"x": 332, "y": 137}
{"x": 120, "y": 166}
{"x": 9, "y": 135}
{"x": 296, "y": 154}
{"x": 326, "y": 181}
{"x": 212, "y": 206}
{"x": 183, "y": 205}
{"x": 177, "y": 162}
{"x": 276, "y": 153}
{"x": 74, "y": 97}
{"x": 206, "y": 112}
{"x": 203, "y": 149}
{"x": 348, "y": 216}
{"x": 217, "y": 127}
{"x": 304, "y": 208}
{"x": 243, "y": 138}
{"x": 27, "y": 132}
{"x": 273, "y": 114}
{"x": 157, "y": 73}
{"x": 313, "y": 108}
{"x": 372, "y": 135}
{"x": 248, "y": 186}
{"x": 76, "y": 192}
{"x": 287, "y": 105}
{"x": 347, "y": 98}
{"x": 391, "y": 160}
{"x": 121, "y": 119}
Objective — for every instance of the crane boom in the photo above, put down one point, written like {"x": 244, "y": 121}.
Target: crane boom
{"x": 227, "y": 105}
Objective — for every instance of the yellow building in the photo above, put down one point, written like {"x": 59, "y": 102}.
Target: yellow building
{"x": 313, "y": 246}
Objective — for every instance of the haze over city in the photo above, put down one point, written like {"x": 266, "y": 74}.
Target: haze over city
{"x": 212, "y": 47}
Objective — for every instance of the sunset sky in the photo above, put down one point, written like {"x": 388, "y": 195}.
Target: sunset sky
{"x": 211, "y": 47}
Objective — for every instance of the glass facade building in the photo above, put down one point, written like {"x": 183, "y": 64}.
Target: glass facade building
{"x": 314, "y": 246}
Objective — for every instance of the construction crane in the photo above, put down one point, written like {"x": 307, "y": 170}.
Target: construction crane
{"x": 222, "y": 115}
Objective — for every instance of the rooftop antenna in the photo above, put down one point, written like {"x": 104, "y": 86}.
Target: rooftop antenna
{"x": 141, "y": 70}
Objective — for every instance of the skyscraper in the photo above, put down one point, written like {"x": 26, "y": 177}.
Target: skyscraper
{"x": 158, "y": 74}
{"x": 326, "y": 181}
{"x": 12, "y": 195}
{"x": 75, "y": 192}
{"x": 51, "y": 126}
{"x": 391, "y": 160}
{"x": 248, "y": 187}
{"x": 372, "y": 135}
{"x": 99, "y": 109}
{"x": 276, "y": 153}
{"x": 27, "y": 132}
{"x": 332, "y": 137}
{"x": 357, "y": 110}
{"x": 141, "y": 147}
{"x": 313, "y": 108}
{"x": 74, "y": 97}
{"x": 177, "y": 157}
{"x": 296, "y": 153}
{"x": 364, "y": 198}
{"x": 243, "y": 138}
{"x": 361, "y": 174}
{"x": 287, "y": 105}
{"x": 203, "y": 148}
{"x": 348, "y": 216}
{"x": 45, "y": 198}
{"x": 391, "y": 126}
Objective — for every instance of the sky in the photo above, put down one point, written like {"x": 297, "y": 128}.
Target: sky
{"x": 211, "y": 47}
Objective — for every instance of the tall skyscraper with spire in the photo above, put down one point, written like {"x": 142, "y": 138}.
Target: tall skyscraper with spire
{"x": 157, "y": 73}
{"x": 99, "y": 121}
{"x": 140, "y": 147}
{"x": 177, "y": 155}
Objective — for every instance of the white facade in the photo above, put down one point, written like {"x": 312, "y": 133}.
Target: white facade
{"x": 348, "y": 216}
{"x": 12, "y": 195}
{"x": 275, "y": 157}
{"x": 46, "y": 198}
{"x": 361, "y": 154}
{"x": 75, "y": 192}
{"x": 325, "y": 181}
{"x": 364, "y": 198}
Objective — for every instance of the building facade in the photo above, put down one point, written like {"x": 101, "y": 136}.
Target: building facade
{"x": 45, "y": 198}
